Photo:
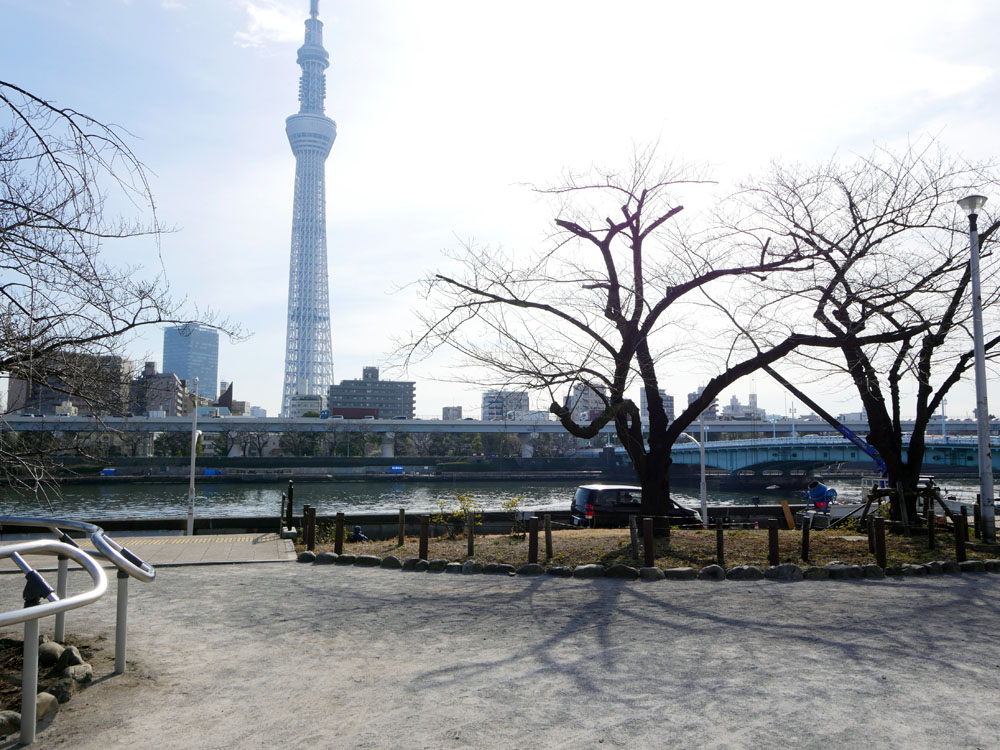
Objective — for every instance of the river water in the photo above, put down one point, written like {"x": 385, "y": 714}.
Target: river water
{"x": 112, "y": 501}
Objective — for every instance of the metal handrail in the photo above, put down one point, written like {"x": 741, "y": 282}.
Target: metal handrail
{"x": 55, "y": 605}
{"x": 35, "y": 591}
{"x": 118, "y": 555}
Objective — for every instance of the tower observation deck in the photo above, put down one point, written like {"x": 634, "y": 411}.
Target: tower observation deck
{"x": 308, "y": 348}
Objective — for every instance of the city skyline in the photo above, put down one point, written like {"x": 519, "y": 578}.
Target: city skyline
{"x": 442, "y": 122}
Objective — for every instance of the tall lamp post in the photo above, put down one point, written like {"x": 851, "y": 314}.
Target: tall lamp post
{"x": 194, "y": 445}
{"x": 971, "y": 205}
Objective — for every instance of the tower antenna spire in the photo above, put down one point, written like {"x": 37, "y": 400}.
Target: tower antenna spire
{"x": 313, "y": 8}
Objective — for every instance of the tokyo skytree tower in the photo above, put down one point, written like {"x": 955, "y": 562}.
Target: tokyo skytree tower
{"x": 308, "y": 349}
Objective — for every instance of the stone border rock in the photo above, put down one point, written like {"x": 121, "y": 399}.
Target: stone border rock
{"x": 835, "y": 570}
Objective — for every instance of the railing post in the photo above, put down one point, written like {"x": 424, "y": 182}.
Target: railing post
{"x": 720, "y": 541}
{"x": 648, "y": 548}
{"x": 533, "y": 540}
{"x": 880, "y": 558}
{"x": 402, "y": 528}
{"x": 773, "y": 555}
{"x": 548, "y": 537}
{"x": 29, "y": 682}
{"x": 59, "y": 634}
{"x": 425, "y": 523}
{"x": 338, "y": 535}
{"x": 121, "y": 622}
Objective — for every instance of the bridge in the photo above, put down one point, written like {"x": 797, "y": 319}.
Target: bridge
{"x": 775, "y": 454}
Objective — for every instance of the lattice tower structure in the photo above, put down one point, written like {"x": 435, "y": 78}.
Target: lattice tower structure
{"x": 308, "y": 348}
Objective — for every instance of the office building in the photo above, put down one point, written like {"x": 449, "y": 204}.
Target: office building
{"x": 668, "y": 406}
{"x": 393, "y": 399}
{"x": 192, "y": 351}
{"x": 451, "y": 412}
{"x": 503, "y": 405}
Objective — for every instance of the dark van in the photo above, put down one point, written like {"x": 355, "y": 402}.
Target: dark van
{"x": 610, "y": 505}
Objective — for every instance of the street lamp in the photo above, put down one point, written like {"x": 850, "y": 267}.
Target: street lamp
{"x": 704, "y": 487}
{"x": 194, "y": 444}
{"x": 971, "y": 205}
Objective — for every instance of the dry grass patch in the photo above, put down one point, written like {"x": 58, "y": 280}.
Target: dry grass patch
{"x": 685, "y": 548}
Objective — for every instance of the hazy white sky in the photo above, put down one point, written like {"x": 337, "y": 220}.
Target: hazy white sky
{"x": 445, "y": 108}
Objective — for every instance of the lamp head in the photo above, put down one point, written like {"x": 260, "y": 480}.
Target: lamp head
{"x": 972, "y": 203}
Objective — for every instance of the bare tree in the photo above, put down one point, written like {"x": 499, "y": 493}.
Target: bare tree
{"x": 63, "y": 309}
{"x": 612, "y": 304}
{"x": 891, "y": 254}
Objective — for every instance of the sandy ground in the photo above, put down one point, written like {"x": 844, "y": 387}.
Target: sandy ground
{"x": 296, "y": 656}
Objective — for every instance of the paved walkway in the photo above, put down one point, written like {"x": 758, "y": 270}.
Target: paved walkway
{"x": 188, "y": 550}
{"x": 296, "y": 656}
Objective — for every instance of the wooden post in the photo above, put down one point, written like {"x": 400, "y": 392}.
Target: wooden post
{"x": 961, "y": 529}
{"x": 806, "y": 524}
{"x": 965, "y": 522}
{"x": 648, "y": 547}
{"x": 789, "y": 518}
{"x": 425, "y": 524}
{"x": 931, "y": 526}
{"x": 470, "y": 532}
{"x": 977, "y": 520}
{"x": 720, "y": 542}
{"x": 311, "y": 532}
{"x": 402, "y": 527}
{"x": 305, "y": 526}
{"x": 871, "y": 535}
{"x": 291, "y": 494}
{"x": 338, "y": 535}
{"x": 880, "y": 542}
{"x": 533, "y": 540}
{"x": 773, "y": 556}
{"x": 281, "y": 515}
{"x": 548, "y": 537}
{"x": 633, "y": 532}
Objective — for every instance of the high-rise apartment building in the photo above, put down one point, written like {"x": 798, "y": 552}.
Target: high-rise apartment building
{"x": 192, "y": 351}
{"x": 394, "y": 399}
{"x": 668, "y": 406}
{"x": 503, "y": 405}
{"x": 451, "y": 412}
{"x": 585, "y": 403}
{"x": 308, "y": 348}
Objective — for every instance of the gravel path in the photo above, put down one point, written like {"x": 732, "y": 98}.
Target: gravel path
{"x": 294, "y": 656}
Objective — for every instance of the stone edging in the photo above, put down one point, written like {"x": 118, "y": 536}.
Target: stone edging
{"x": 785, "y": 572}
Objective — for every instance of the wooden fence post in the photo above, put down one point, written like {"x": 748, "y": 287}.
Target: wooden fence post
{"x": 470, "y": 532}
{"x": 548, "y": 537}
{"x": 281, "y": 515}
{"x": 633, "y": 533}
{"x": 425, "y": 523}
{"x": 965, "y": 522}
{"x": 533, "y": 540}
{"x": 773, "y": 556}
{"x": 402, "y": 527}
{"x": 871, "y": 535}
{"x": 291, "y": 494}
{"x": 338, "y": 535}
{"x": 977, "y": 520}
{"x": 720, "y": 542}
{"x": 648, "y": 547}
{"x": 806, "y": 524}
{"x": 880, "y": 559}
{"x": 961, "y": 529}
{"x": 931, "y": 524}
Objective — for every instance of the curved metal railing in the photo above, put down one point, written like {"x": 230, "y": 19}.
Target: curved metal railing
{"x": 40, "y": 600}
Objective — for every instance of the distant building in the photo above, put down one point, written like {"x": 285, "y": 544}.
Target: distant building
{"x": 502, "y": 405}
{"x": 585, "y": 403}
{"x": 668, "y": 406}
{"x": 393, "y": 399}
{"x": 94, "y": 384}
{"x": 712, "y": 411}
{"x": 302, "y": 403}
{"x": 451, "y": 412}
{"x": 736, "y": 410}
{"x": 192, "y": 351}
{"x": 160, "y": 392}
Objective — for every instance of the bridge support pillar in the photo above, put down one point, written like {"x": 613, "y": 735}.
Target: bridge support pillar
{"x": 388, "y": 445}
{"x": 527, "y": 443}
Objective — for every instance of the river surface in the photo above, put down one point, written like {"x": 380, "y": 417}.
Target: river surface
{"x": 97, "y": 501}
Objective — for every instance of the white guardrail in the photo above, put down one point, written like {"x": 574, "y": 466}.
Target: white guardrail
{"x": 65, "y": 548}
